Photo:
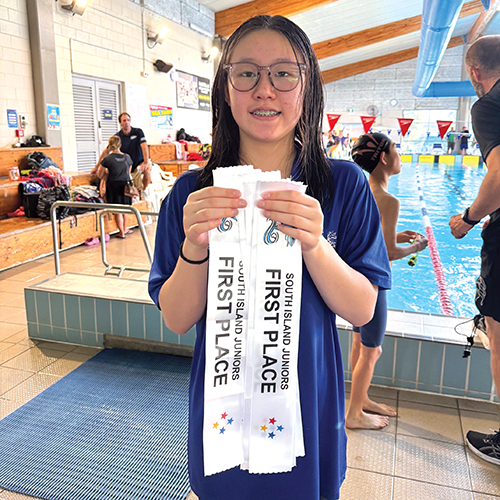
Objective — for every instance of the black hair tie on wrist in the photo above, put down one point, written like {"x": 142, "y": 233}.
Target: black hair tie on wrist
{"x": 189, "y": 261}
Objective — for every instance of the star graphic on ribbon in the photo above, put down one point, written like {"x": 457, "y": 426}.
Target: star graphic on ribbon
{"x": 224, "y": 419}
{"x": 271, "y": 429}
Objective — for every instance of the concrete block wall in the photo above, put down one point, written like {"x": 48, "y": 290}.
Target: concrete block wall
{"x": 16, "y": 81}
{"x": 106, "y": 43}
{"x": 380, "y": 86}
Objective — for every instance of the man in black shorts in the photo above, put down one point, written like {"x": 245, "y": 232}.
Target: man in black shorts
{"x": 483, "y": 65}
{"x": 134, "y": 144}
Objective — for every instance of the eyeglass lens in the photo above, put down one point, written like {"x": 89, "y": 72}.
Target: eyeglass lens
{"x": 284, "y": 76}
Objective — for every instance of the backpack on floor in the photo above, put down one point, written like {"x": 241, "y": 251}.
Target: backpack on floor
{"x": 48, "y": 197}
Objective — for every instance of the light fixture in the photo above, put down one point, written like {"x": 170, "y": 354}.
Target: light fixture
{"x": 76, "y": 6}
{"x": 214, "y": 51}
{"x": 157, "y": 38}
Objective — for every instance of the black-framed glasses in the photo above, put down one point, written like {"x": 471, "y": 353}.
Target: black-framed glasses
{"x": 284, "y": 76}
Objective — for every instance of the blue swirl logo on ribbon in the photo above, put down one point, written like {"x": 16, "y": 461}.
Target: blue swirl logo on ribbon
{"x": 226, "y": 224}
{"x": 289, "y": 241}
{"x": 272, "y": 234}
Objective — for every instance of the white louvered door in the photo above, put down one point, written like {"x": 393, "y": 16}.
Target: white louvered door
{"x": 96, "y": 107}
{"x": 108, "y": 109}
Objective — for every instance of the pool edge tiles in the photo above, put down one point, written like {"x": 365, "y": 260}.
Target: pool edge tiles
{"x": 82, "y": 310}
{"x": 429, "y": 362}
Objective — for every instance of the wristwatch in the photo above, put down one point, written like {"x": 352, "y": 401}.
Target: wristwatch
{"x": 465, "y": 218}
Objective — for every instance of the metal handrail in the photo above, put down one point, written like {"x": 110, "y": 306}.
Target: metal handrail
{"x": 103, "y": 208}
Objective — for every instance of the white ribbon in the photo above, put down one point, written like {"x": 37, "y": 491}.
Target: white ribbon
{"x": 252, "y": 414}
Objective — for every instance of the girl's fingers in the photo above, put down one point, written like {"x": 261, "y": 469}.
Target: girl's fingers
{"x": 214, "y": 192}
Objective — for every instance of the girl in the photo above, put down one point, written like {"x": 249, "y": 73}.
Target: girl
{"x": 118, "y": 166}
{"x": 267, "y": 111}
{"x": 377, "y": 154}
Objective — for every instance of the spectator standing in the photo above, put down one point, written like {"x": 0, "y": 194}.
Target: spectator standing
{"x": 483, "y": 66}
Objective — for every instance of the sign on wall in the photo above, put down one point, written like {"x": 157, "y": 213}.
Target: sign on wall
{"x": 160, "y": 116}
{"x": 193, "y": 92}
{"x": 53, "y": 117}
{"x": 12, "y": 118}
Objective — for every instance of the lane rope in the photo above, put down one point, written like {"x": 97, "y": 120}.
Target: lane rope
{"x": 444, "y": 297}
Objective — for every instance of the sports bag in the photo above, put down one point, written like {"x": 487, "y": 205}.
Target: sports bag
{"x": 48, "y": 197}
{"x": 38, "y": 161}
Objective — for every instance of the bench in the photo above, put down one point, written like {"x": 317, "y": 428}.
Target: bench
{"x": 165, "y": 156}
{"x": 23, "y": 239}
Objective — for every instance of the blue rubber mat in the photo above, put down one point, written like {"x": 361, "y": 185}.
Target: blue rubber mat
{"x": 115, "y": 428}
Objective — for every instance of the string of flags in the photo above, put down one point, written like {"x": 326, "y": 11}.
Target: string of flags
{"x": 404, "y": 124}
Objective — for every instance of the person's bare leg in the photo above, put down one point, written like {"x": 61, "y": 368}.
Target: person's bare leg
{"x": 120, "y": 224}
{"x": 363, "y": 361}
{"x": 146, "y": 179}
{"x": 493, "y": 332}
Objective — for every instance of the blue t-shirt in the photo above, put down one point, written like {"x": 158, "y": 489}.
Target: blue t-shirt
{"x": 352, "y": 227}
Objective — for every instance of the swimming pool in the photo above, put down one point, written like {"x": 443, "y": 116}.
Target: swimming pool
{"x": 447, "y": 190}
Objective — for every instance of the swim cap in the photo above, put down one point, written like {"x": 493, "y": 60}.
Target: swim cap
{"x": 366, "y": 150}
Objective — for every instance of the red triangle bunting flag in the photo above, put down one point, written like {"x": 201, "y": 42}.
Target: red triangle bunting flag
{"x": 332, "y": 120}
{"x": 443, "y": 127}
{"x": 367, "y": 122}
{"x": 405, "y": 124}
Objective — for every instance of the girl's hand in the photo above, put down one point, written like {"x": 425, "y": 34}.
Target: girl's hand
{"x": 298, "y": 215}
{"x": 205, "y": 209}
{"x": 406, "y": 236}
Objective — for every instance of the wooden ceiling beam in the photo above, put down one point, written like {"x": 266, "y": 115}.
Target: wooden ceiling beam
{"x": 334, "y": 74}
{"x": 370, "y": 36}
{"x": 226, "y": 21}
{"x": 482, "y": 22}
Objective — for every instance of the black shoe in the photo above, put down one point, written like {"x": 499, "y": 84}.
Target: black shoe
{"x": 485, "y": 446}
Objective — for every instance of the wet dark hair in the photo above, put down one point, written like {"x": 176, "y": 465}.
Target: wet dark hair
{"x": 314, "y": 169}
{"x": 366, "y": 150}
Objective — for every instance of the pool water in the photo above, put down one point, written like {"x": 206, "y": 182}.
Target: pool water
{"x": 447, "y": 190}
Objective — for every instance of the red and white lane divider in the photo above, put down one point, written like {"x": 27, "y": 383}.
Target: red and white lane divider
{"x": 444, "y": 297}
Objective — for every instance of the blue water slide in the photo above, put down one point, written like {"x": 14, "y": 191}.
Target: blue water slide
{"x": 439, "y": 18}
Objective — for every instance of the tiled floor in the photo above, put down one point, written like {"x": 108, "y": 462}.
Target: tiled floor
{"x": 420, "y": 456}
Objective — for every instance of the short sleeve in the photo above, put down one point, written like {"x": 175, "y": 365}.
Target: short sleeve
{"x": 141, "y": 135}
{"x": 169, "y": 234}
{"x": 129, "y": 160}
{"x": 360, "y": 239}
{"x": 486, "y": 124}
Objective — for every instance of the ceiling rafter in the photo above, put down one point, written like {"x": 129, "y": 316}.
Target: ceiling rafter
{"x": 226, "y": 21}
{"x": 334, "y": 74}
{"x": 482, "y": 22}
{"x": 361, "y": 39}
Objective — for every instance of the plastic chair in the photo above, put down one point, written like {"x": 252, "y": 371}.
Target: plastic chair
{"x": 161, "y": 184}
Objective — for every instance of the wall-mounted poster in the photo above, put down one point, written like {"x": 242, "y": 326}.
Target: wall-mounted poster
{"x": 160, "y": 116}
{"x": 193, "y": 92}
{"x": 204, "y": 93}
{"x": 53, "y": 117}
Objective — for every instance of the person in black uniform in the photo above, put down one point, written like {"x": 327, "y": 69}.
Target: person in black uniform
{"x": 483, "y": 65}
{"x": 118, "y": 166}
{"x": 134, "y": 144}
